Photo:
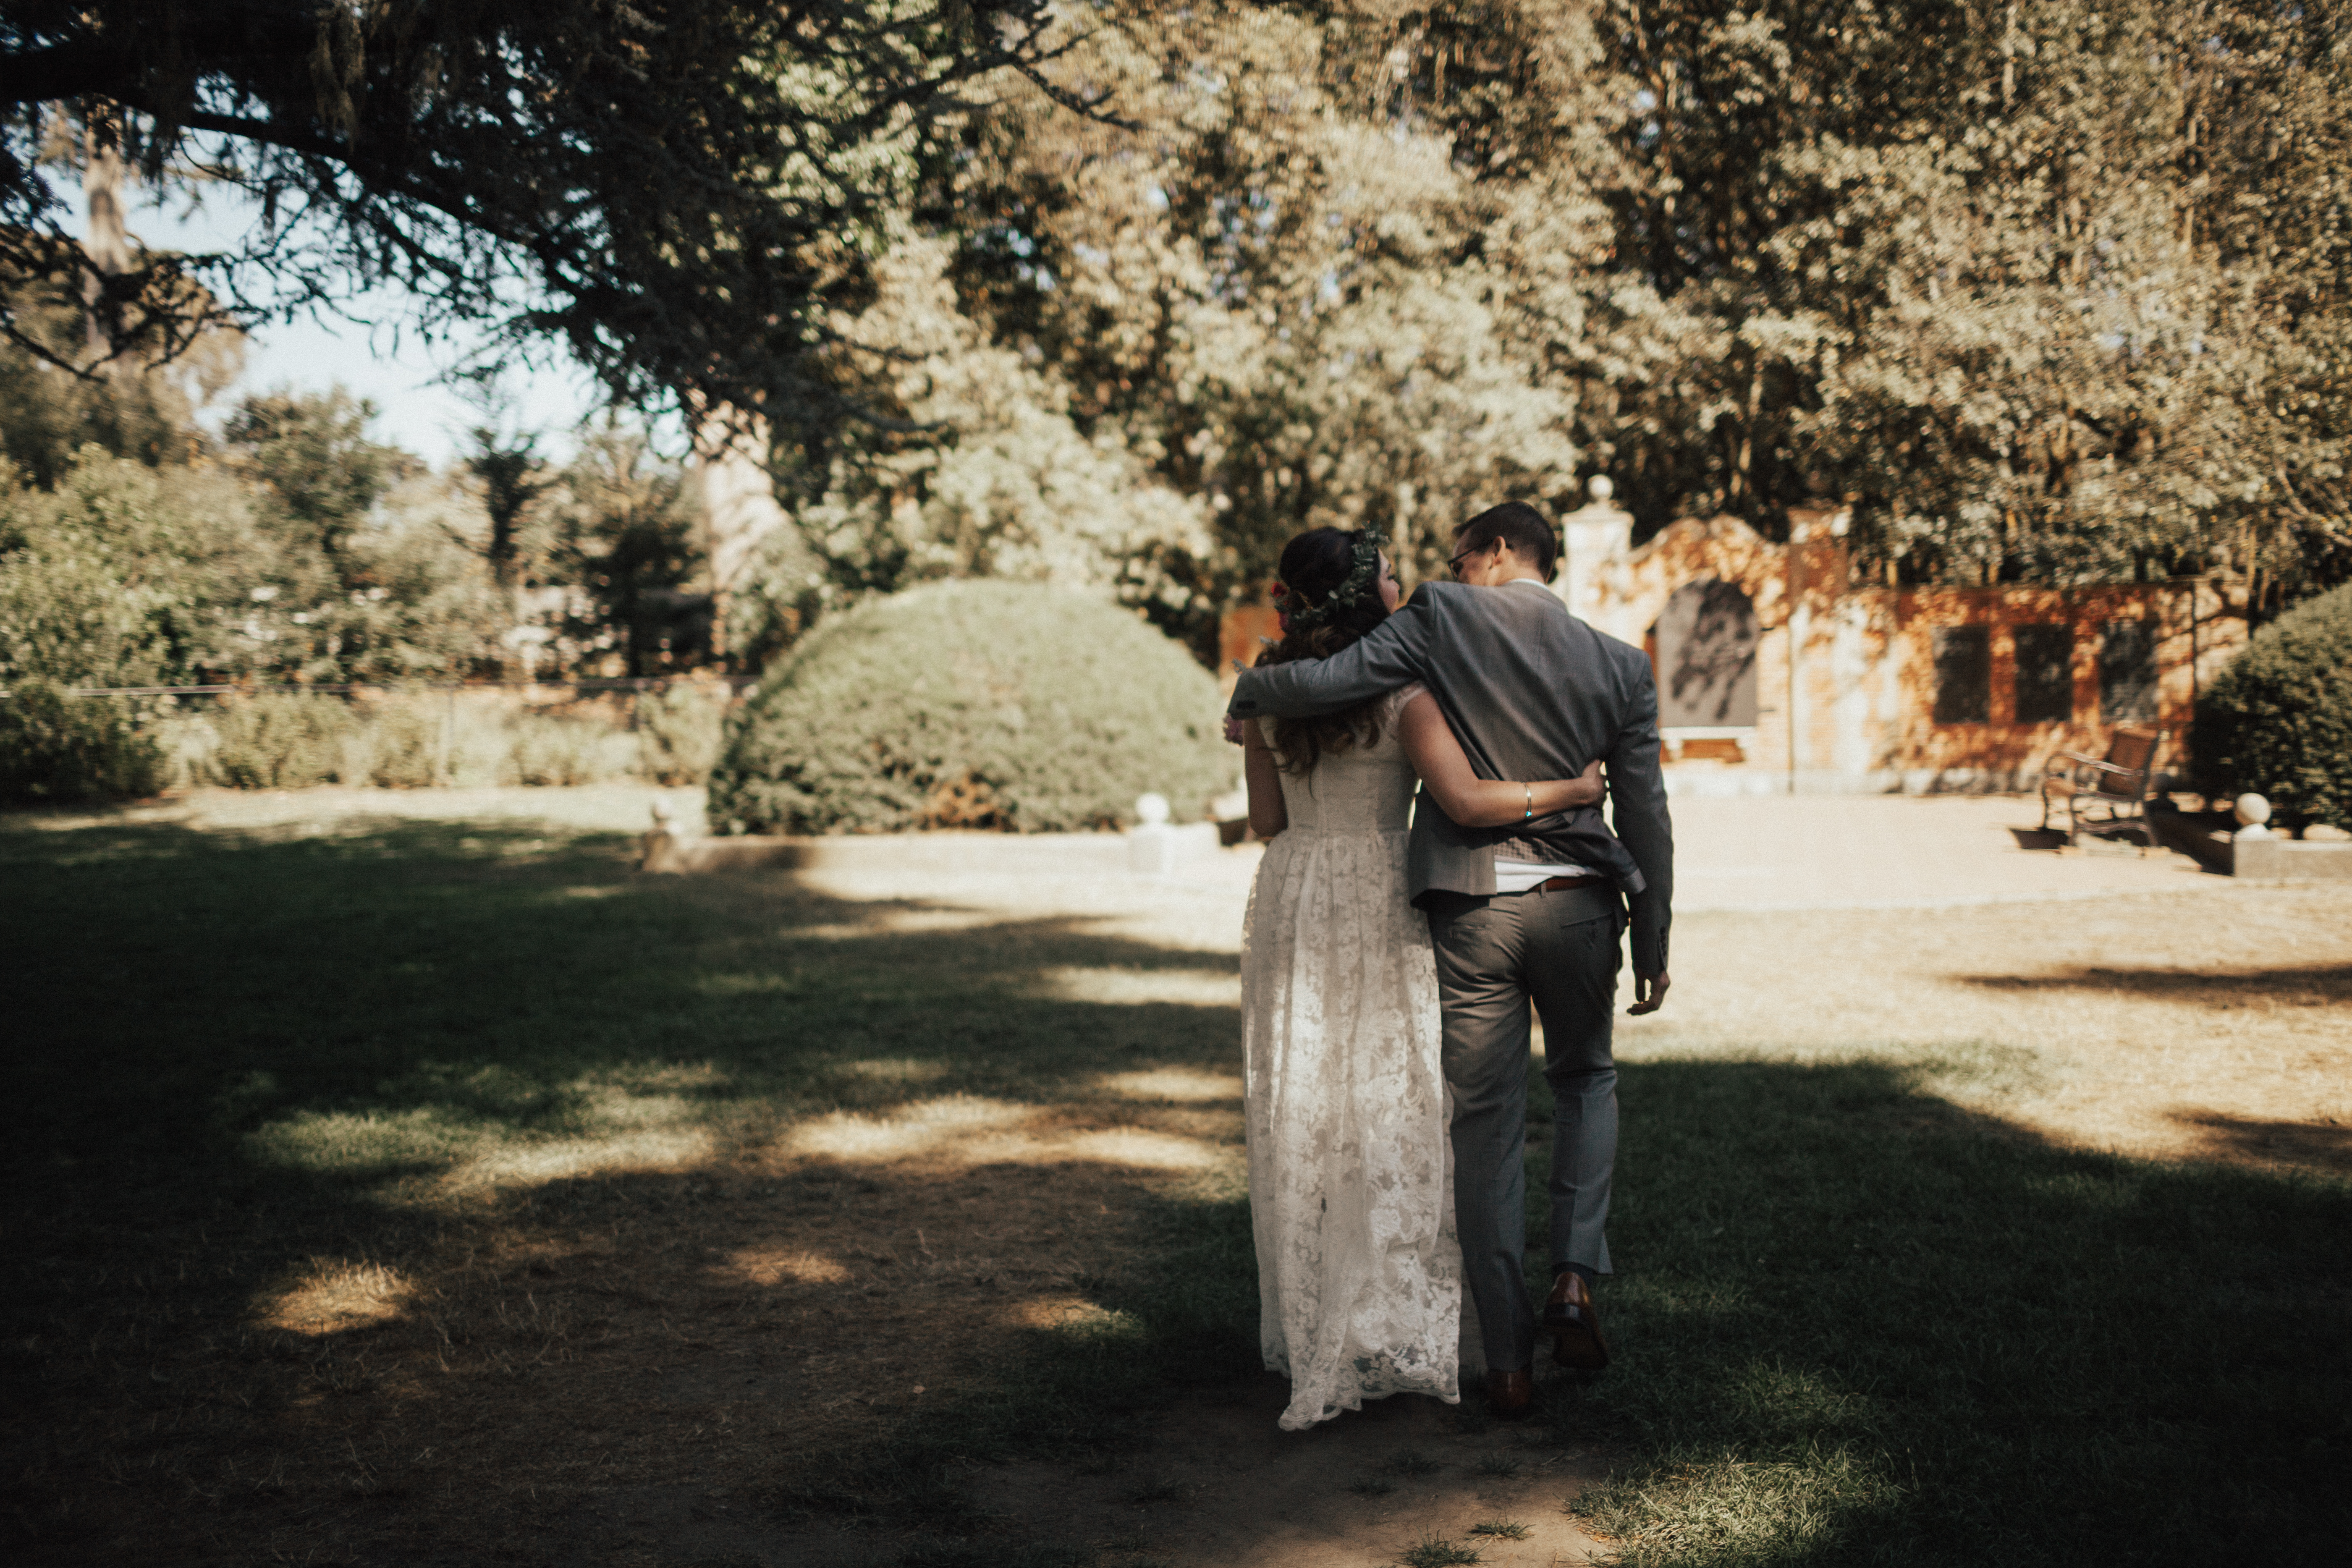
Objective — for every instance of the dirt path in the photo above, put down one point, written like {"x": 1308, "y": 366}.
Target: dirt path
{"x": 1218, "y": 1487}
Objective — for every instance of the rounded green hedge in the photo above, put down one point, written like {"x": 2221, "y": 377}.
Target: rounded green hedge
{"x": 58, "y": 748}
{"x": 971, "y": 704}
{"x": 2278, "y": 722}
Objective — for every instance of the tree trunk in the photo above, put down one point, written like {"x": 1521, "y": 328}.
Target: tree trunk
{"x": 107, "y": 243}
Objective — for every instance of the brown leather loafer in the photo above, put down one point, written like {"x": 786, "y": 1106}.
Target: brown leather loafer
{"x": 1573, "y": 1325}
{"x": 1510, "y": 1394}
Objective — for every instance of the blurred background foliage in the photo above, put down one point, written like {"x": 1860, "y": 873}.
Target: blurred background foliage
{"x": 293, "y": 547}
{"x": 2046, "y": 291}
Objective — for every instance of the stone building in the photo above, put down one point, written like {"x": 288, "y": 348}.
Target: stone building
{"x": 1779, "y": 671}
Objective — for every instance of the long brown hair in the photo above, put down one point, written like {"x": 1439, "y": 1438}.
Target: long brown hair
{"x": 1314, "y": 566}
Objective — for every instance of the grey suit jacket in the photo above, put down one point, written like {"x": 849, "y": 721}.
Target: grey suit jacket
{"x": 1531, "y": 692}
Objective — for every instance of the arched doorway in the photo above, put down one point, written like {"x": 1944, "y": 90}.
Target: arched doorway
{"x": 1706, "y": 639}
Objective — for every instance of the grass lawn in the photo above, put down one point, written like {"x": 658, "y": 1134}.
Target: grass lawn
{"x": 444, "y": 1193}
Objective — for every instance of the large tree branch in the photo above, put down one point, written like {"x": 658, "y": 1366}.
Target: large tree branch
{"x": 83, "y": 69}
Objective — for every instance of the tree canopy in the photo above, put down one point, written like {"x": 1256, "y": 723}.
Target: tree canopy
{"x": 2051, "y": 291}
{"x": 2056, "y": 291}
{"x": 671, "y": 188}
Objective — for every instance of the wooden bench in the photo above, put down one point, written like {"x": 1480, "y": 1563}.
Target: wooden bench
{"x": 2098, "y": 794}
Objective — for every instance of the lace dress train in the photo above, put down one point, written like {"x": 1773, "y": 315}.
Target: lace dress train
{"x": 1351, "y": 1190}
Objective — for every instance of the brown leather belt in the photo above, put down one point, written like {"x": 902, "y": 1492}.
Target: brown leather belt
{"x": 1562, "y": 884}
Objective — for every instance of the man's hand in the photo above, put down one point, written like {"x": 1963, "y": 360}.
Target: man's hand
{"x": 1649, "y": 994}
{"x": 1234, "y": 736}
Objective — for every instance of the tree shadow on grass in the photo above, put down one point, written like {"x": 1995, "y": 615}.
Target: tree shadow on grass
{"x": 2310, "y": 984}
{"x": 2318, "y": 1146}
{"x": 2206, "y": 988}
{"x": 1854, "y": 1324}
{"x": 326, "y": 1152}
{"x": 1859, "y": 1324}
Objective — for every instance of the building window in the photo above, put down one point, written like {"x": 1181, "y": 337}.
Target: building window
{"x": 2045, "y": 674}
{"x": 2126, "y": 672}
{"x": 1963, "y": 674}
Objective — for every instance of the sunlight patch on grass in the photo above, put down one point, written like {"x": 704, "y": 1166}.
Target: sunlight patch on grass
{"x": 1185, "y": 1084}
{"x": 338, "y": 1296}
{"x": 897, "y": 1070}
{"x": 1054, "y": 1311}
{"x": 1076, "y": 1316}
{"x": 881, "y": 920}
{"x": 775, "y": 1265}
{"x": 590, "y": 1126}
{"x": 369, "y": 1143}
{"x": 538, "y": 1163}
{"x": 927, "y": 1128}
{"x": 1135, "y": 987}
{"x": 673, "y": 1077}
{"x": 1724, "y": 1509}
{"x": 1138, "y": 1147}
{"x": 966, "y": 1130}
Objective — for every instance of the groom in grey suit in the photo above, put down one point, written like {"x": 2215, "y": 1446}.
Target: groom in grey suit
{"x": 1532, "y": 913}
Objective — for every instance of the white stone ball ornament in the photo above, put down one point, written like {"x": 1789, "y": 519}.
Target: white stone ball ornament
{"x": 2253, "y": 812}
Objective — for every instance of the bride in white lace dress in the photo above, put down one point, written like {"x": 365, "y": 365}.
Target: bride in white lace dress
{"x": 1352, "y": 1193}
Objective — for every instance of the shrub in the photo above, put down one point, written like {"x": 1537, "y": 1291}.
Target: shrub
{"x": 400, "y": 745}
{"x": 54, "y": 747}
{"x": 284, "y": 741}
{"x": 991, "y": 704}
{"x": 126, "y": 575}
{"x": 2278, "y": 722}
{"x": 552, "y": 751}
{"x": 188, "y": 742}
{"x": 288, "y": 741}
{"x": 678, "y": 733}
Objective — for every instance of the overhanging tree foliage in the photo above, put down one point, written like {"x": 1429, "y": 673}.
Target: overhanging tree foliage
{"x": 671, "y": 188}
{"x": 2049, "y": 290}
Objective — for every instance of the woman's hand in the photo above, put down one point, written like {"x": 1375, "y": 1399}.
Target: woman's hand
{"x": 1234, "y": 736}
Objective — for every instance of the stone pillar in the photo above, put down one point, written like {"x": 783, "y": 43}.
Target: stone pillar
{"x": 1815, "y": 564}
{"x": 1594, "y": 538}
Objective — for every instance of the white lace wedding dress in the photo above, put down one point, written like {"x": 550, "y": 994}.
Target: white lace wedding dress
{"x": 1351, "y": 1179}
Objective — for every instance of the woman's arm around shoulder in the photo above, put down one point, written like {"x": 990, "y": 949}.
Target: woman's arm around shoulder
{"x": 1469, "y": 800}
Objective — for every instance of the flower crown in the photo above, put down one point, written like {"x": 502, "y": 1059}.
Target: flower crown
{"x": 1360, "y": 584}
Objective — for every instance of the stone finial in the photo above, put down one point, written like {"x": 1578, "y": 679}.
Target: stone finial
{"x": 1599, "y": 487}
{"x": 2253, "y": 812}
{"x": 1152, "y": 810}
{"x": 661, "y": 812}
